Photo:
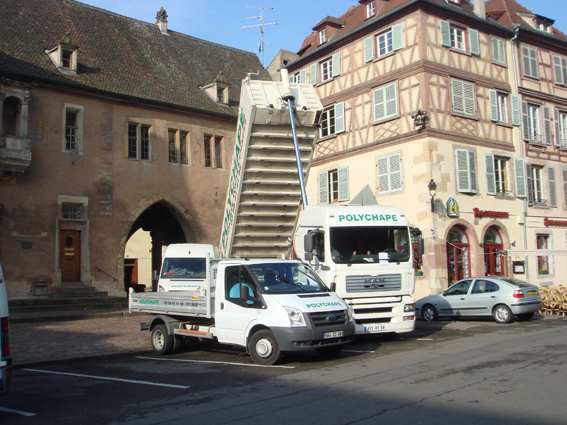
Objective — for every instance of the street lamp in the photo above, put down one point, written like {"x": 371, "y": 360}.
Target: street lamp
{"x": 432, "y": 190}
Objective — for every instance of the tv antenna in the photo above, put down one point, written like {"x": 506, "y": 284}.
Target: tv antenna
{"x": 262, "y": 24}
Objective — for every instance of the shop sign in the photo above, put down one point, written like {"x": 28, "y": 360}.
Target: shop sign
{"x": 494, "y": 214}
{"x": 452, "y": 207}
{"x": 548, "y": 222}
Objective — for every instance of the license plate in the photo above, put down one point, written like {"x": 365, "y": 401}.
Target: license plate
{"x": 532, "y": 292}
{"x": 371, "y": 328}
{"x": 329, "y": 335}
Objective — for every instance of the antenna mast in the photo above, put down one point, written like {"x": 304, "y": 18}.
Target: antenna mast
{"x": 261, "y": 25}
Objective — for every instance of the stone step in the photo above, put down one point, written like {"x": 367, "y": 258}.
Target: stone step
{"x": 35, "y": 305}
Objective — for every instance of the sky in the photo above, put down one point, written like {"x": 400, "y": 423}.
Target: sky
{"x": 221, "y": 21}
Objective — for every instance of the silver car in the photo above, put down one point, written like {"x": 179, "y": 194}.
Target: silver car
{"x": 500, "y": 297}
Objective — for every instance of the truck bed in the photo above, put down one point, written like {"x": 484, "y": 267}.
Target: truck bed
{"x": 179, "y": 303}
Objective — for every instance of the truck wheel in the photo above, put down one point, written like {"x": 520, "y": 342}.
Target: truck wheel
{"x": 162, "y": 342}
{"x": 330, "y": 351}
{"x": 264, "y": 348}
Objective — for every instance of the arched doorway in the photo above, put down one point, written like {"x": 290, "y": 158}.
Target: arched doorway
{"x": 493, "y": 247}
{"x": 458, "y": 255}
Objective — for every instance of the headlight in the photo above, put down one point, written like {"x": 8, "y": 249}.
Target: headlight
{"x": 350, "y": 311}
{"x": 409, "y": 307}
{"x": 295, "y": 317}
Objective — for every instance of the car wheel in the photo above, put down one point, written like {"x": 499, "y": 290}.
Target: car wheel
{"x": 162, "y": 342}
{"x": 429, "y": 313}
{"x": 264, "y": 348}
{"x": 502, "y": 314}
{"x": 526, "y": 316}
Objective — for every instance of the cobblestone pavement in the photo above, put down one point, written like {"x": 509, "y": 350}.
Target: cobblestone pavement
{"x": 33, "y": 343}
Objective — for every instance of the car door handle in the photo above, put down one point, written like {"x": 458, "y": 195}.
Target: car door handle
{"x": 462, "y": 299}
{"x": 493, "y": 296}
{"x": 222, "y": 306}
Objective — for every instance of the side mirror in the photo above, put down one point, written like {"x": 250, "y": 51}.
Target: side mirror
{"x": 420, "y": 246}
{"x": 333, "y": 286}
{"x": 245, "y": 294}
{"x": 308, "y": 256}
{"x": 309, "y": 242}
{"x": 444, "y": 293}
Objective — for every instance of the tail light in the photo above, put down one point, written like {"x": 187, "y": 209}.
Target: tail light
{"x": 5, "y": 349}
{"x": 518, "y": 294}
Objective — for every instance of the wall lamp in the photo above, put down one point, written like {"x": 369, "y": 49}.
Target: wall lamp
{"x": 419, "y": 118}
{"x": 432, "y": 191}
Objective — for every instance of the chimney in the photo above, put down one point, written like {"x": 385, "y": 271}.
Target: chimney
{"x": 479, "y": 9}
{"x": 161, "y": 21}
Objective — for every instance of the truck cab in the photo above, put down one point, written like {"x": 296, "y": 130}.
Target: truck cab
{"x": 185, "y": 266}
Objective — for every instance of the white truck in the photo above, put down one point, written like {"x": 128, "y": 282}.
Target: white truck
{"x": 5, "y": 357}
{"x": 185, "y": 267}
{"x": 268, "y": 306}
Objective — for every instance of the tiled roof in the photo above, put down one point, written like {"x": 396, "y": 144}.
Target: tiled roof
{"x": 119, "y": 55}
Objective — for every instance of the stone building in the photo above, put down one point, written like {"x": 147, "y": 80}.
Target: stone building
{"x": 109, "y": 125}
{"x": 467, "y": 99}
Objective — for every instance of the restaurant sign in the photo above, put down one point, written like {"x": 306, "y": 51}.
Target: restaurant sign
{"x": 493, "y": 214}
{"x": 548, "y": 222}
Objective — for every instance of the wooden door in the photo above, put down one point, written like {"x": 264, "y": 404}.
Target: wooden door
{"x": 70, "y": 255}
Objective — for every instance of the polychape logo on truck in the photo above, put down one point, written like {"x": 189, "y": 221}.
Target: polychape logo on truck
{"x": 150, "y": 302}
{"x": 368, "y": 217}
{"x": 329, "y": 304}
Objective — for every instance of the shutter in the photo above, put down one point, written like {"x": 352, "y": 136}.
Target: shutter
{"x": 395, "y": 173}
{"x": 520, "y": 174}
{"x": 558, "y": 134}
{"x": 525, "y": 121}
{"x": 382, "y": 171}
{"x": 547, "y": 125}
{"x": 564, "y": 176}
{"x": 313, "y": 74}
{"x": 552, "y": 187}
{"x": 534, "y": 64}
{"x": 498, "y": 50}
{"x": 379, "y": 109}
{"x": 474, "y": 42}
{"x": 343, "y": 184}
{"x": 323, "y": 188}
{"x": 369, "y": 49}
{"x": 391, "y": 94}
{"x": 490, "y": 179}
{"x": 303, "y": 76}
{"x": 526, "y": 61}
{"x": 445, "y": 33}
{"x": 557, "y": 70}
{"x": 397, "y": 37}
{"x": 493, "y": 97}
{"x": 516, "y": 116}
{"x": 472, "y": 172}
{"x": 458, "y": 97}
{"x": 462, "y": 170}
{"x": 530, "y": 184}
{"x": 336, "y": 65}
{"x": 340, "y": 118}
{"x": 468, "y": 94}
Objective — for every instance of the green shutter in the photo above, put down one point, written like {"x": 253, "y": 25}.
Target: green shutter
{"x": 303, "y": 76}
{"x": 324, "y": 188}
{"x": 547, "y": 125}
{"x": 336, "y": 65}
{"x": 525, "y": 122}
{"x": 369, "y": 49}
{"x": 343, "y": 184}
{"x": 489, "y": 169}
{"x": 493, "y": 97}
{"x": 340, "y": 118}
{"x": 462, "y": 170}
{"x": 313, "y": 74}
{"x": 516, "y": 116}
{"x": 445, "y": 33}
{"x": 457, "y": 96}
{"x": 520, "y": 174}
{"x": 474, "y": 42}
{"x": 397, "y": 37}
{"x": 552, "y": 187}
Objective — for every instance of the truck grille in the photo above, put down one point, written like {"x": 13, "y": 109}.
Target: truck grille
{"x": 369, "y": 283}
{"x": 328, "y": 318}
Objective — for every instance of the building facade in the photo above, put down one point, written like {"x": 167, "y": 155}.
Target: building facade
{"x": 109, "y": 125}
{"x": 464, "y": 99}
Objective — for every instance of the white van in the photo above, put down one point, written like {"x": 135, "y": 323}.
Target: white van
{"x": 5, "y": 359}
{"x": 185, "y": 266}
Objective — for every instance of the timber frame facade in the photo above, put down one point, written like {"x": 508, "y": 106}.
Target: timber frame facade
{"x": 492, "y": 137}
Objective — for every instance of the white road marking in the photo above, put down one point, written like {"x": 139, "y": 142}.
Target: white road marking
{"x": 356, "y": 351}
{"x": 214, "y": 362}
{"x": 19, "y": 412}
{"x": 415, "y": 339}
{"x": 106, "y": 378}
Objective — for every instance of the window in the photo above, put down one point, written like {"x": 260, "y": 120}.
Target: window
{"x": 139, "y": 142}
{"x": 389, "y": 173}
{"x": 542, "y": 26}
{"x": 560, "y": 70}
{"x": 326, "y": 69}
{"x": 498, "y": 106}
{"x": 484, "y": 286}
{"x": 561, "y": 128}
{"x": 333, "y": 186}
{"x": 529, "y": 59}
{"x": 236, "y": 277}
{"x": 531, "y": 124}
{"x": 177, "y": 146}
{"x": 465, "y": 167}
{"x": 535, "y": 185}
{"x": 66, "y": 59}
{"x": 220, "y": 94}
{"x": 323, "y": 36}
{"x": 386, "y": 42}
{"x": 64, "y": 56}
{"x": 213, "y": 151}
{"x": 333, "y": 120}
{"x": 542, "y": 242}
{"x": 299, "y": 77}
{"x": 456, "y": 37}
{"x": 498, "y": 51}
{"x": 496, "y": 175}
{"x": 73, "y": 128}
{"x": 463, "y": 96}
{"x": 385, "y": 102}
{"x": 370, "y": 9}
{"x": 455, "y": 1}
{"x": 72, "y": 211}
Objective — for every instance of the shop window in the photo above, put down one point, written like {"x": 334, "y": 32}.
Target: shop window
{"x": 542, "y": 242}
{"x": 458, "y": 255}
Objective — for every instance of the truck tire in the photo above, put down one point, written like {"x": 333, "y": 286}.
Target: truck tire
{"x": 162, "y": 341}
{"x": 264, "y": 348}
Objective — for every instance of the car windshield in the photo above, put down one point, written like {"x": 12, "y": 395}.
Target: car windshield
{"x": 287, "y": 278}
{"x": 184, "y": 268}
{"x": 517, "y": 282}
{"x": 370, "y": 244}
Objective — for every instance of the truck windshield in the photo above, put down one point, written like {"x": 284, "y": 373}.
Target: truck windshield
{"x": 184, "y": 268}
{"x": 370, "y": 244}
{"x": 287, "y": 278}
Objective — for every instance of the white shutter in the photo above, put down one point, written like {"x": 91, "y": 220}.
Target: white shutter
{"x": 369, "y": 49}
{"x": 462, "y": 170}
{"x": 468, "y": 93}
{"x": 516, "y": 116}
{"x": 336, "y": 64}
{"x": 340, "y": 118}
{"x": 557, "y": 127}
{"x": 389, "y": 170}
{"x": 457, "y": 96}
{"x": 379, "y": 107}
{"x": 498, "y": 50}
{"x": 525, "y": 122}
{"x": 552, "y": 187}
{"x": 395, "y": 172}
{"x": 391, "y": 100}
{"x": 397, "y": 37}
{"x": 382, "y": 171}
{"x": 547, "y": 125}
{"x": 474, "y": 42}
{"x": 303, "y": 76}
{"x": 559, "y": 70}
{"x": 490, "y": 179}
{"x": 323, "y": 188}
{"x": 530, "y": 184}
{"x": 313, "y": 74}
{"x": 472, "y": 172}
{"x": 343, "y": 184}
{"x": 520, "y": 175}
{"x": 493, "y": 97}
{"x": 445, "y": 33}
{"x": 564, "y": 176}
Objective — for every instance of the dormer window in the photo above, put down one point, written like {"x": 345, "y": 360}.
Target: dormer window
{"x": 323, "y": 36}
{"x": 64, "y": 56}
{"x": 220, "y": 94}
{"x": 218, "y": 90}
{"x": 542, "y": 26}
{"x": 370, "y": 10}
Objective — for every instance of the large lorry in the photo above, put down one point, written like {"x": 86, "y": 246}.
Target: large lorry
{"x": 268, "y": 306}
{"x": 5, "y": 357}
